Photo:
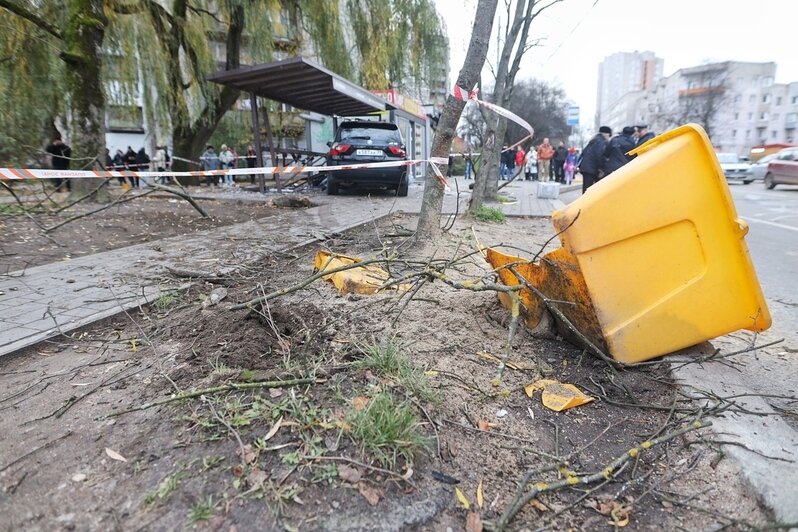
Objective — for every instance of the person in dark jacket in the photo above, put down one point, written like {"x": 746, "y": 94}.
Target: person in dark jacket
{"x": 644, "y": 135}
{"x": 130, "y": 164}
{"x": 60, "y": 153}
{"x": 559, "y": 161}
{"x": 591, "y": 164}
{"x": 616, "y": 151}
{"x": 142, "y": 163}
{"x": 507, "y": 163}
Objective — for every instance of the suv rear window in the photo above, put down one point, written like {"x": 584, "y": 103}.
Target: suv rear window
{"x": 377, "y": 135}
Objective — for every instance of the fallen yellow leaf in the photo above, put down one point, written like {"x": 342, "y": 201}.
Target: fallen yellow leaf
{"x": 462, "y": 498}
{"x": 480, "y": 496}
{"x": 360, "y": 402}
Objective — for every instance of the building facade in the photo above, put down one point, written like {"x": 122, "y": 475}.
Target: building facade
{"x": 620, "y": 74}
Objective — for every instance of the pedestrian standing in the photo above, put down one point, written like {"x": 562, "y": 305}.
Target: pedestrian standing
{"x": 591, "y": 164}
{"x": 569, "y": 167}
{"x": 644, "y": 135}
{"x": 531, "y": 164}
{"x": 159, "y": 161}
{"x": 520, "y": 157}
{"x": 142, "y": 164}
{"x": 469, "y": 166}
{"x": 130, "y": 164}
{"x": 559, "y": 162}
{"x": 225, "y": 162}
{"x": 210, "y": 163}
{"x": 545, "y": 154}
{"x": 616, "y": 151}
{"x": 119, "y": 165}
{"x": 252, "y": 160}
{"x": 506, "y": 160}
{"x": 60, "y": 154}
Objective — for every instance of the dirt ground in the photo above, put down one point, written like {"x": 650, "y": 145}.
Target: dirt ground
{"x": 278, "y": 457}
{"x": 23, "y": 245}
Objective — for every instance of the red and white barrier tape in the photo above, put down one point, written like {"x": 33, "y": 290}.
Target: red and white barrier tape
{"x": 15, "y": 174}
{"x": 461, "y": 94}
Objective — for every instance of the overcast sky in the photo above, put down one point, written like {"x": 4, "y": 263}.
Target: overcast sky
{"x": 578, "y": 34}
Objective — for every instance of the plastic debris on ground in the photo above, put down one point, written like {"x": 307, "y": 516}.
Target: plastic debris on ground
{"x": 557, "y": 396}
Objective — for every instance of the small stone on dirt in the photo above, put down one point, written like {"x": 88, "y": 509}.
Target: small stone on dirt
{"x": 349, "y": 474}
{"x": 78, "y": 477}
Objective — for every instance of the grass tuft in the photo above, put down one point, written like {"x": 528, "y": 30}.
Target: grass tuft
{"x": 387, "y": 359}
{"x": 203, "y": 510}
{"x": 489, "y": 214}
{"x": 388, "y": 430}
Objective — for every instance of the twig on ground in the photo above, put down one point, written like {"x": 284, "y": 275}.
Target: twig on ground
{"x": 121, "y": 199}
{"x": 37, "y": 449}
{"x": 360, "y": 464}
{"x": 210, "y": 391}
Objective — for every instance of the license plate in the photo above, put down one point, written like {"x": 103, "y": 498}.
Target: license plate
{"x": 369, "y": 152}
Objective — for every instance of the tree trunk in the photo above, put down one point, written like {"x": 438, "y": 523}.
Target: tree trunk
{"x": 429, "y": 219}
{"x": 83, "y": 39}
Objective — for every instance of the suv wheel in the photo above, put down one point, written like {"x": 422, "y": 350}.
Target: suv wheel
{"x": 401, "y": 190}
{"x": 332, "y": 186}
{"x": 769, "y": 184}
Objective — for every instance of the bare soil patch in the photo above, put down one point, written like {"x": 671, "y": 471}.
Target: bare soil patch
{"x": 22, "y": 243}
{"x": 274, "y": 457}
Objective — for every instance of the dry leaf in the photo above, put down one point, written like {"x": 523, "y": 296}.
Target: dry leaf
{"x": 343, "y": 425}
{"x": 274, "y": 393}
{"x": 483, "y": 424}
{"x": 539, "y": 506}
{"x": 115, "y": 455}
{"x": 360, "y": 402}
{"x": 462, "y": 498}
{"x": 273, "y": 430}
{"x": 249, "y": 454}
{"x": 431, "y": 373}
{"x": 238, "y": 470}
{"x": 370, "y": 493}
{"x": 349, "y": 474}
{"x": 256, "y": 477}
{"x": 480, "y": 496}
{"x": 473, "y": 522}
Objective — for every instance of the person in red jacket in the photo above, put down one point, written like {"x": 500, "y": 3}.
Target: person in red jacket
{"x": 545, "y": 154}
{"x": 520, "y": 156}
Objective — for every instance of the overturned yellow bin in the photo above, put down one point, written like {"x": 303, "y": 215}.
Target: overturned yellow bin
{"x": 662, "y": 251}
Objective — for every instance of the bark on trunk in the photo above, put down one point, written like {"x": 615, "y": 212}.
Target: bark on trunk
{"x": 83, "y": 39}
{"x": 429, "y": 220}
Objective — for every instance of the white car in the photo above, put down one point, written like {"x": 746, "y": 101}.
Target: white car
{"x": 760, "y": 168}
{"x": 734, "y": 168}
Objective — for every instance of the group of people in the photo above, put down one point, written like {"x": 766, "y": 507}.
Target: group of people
{"x": 138, "y": 161}
{"x": 604, "y": 153}
{"x": 543, "y": 162}
{"x": 225, "y": 159}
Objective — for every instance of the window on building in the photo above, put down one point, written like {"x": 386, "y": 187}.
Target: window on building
{"x": 791, "y": 118}
{"x": 778, "y": 100}
{"x": 776, "y": 116}
{"x": 752, "y": 98}
{"x": 736, "y": 116}
{"x": 755, "y": 81}
{"x": 767, "y": 81}
{"x": 794, "y": 100}
{"x": 748, "y": 133}
{"x": 773, "y": 134}
{"x": 750, "y": 116}
{"x": 734, "y": 133}
{"x": 740, "y": 82}
{"x": 738, "y": 99}
{"x": 763, "y": 115}
{"x": 124, "y": 118}
{"x": 766, "y": 98}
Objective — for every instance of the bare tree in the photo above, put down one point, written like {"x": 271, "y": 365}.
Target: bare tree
{"x": 520, "y": 14}
{"x": 702, "y": 94}
{"x": 429, "y": 219}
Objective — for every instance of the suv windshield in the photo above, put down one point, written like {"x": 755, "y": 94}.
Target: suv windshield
{"x": 728, "y": 158}
{"x": 377, "y": 135}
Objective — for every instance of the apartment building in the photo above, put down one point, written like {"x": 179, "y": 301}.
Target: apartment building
{"x": 622, "y": 73}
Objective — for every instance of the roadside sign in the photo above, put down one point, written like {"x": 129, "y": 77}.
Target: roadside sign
{"x": 572, "y": 116}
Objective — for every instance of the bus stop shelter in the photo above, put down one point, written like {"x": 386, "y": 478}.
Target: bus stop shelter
{"x": 302, "y": 84}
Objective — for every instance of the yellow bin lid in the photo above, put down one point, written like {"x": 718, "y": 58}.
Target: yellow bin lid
{"x": 662, "y": 250}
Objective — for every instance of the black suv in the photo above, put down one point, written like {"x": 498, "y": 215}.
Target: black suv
{"x": 358, "y": 142}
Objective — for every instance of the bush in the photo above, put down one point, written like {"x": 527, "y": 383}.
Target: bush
{"x": 489, "y": 214}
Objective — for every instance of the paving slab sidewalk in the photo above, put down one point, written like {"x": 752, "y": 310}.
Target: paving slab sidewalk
{"x": 46, "y": 301}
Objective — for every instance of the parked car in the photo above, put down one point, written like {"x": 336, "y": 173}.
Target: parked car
{"x": 758, "y": 169}
{"x": 783, "y": 170}
{"x": 734, "y": 168}
{"x": 362, "y": 141}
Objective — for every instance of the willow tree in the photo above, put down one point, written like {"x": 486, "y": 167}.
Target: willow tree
{"x": 79, "y": 46}
{"x": 516, "y": 37}
{"x": 401, "y": 44}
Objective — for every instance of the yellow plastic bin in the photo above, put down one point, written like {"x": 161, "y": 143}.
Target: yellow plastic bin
{"x": 662, "y": 252}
